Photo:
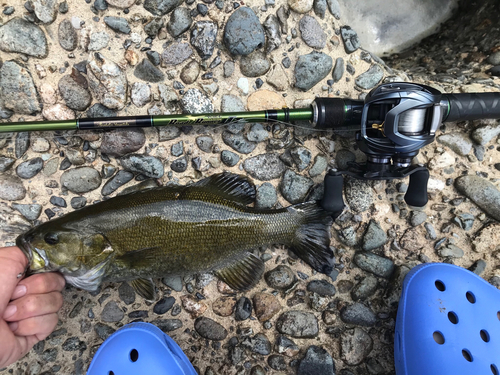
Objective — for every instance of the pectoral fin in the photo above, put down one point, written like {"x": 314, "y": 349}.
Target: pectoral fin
{"x": 243, "y": 274}
{"x": 144, "y": 287}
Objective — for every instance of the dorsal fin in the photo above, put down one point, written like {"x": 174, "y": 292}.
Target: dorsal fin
{"x": 230, "y": 186}
{"x": 243, "y": 274}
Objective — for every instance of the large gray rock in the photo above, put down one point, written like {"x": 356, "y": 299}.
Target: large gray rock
{"x": 68, "y": 38}
{"x": 299, "y": 324}
{"x": 355, "y": 346}
{"x": 243, "y": 33}
{"x": 120, "y": 142}
{"x": 312, "y": 33}
{"x": 81, "y": 180}
{"x": 161, "y": 7}
{"x": 294, "y": 187}
{"x": 481, "y": 192}
{"x": 194, "y": 101}
{"x": 180, "y": 21}
{"x": 316, "y": 361}
{"x": 311, "y": 69}
{"x": 458, "y": 142}
{"x": 107, "y": 82}
{"x": 11, "y": 188}
{"x": 264, "y": 167}
{"x": 45, "y": 10}
{"x": 203, "y": 38}
{"x": 75, "y": 95}
{"x": 144, "y": 164}
{"x": 255, "y": 64}
{"x": 21, "y": 36}
{"x": 176, "y": 54}
{"x": 17, "y": 89}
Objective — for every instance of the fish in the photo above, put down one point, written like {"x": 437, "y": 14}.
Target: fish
{"x": 207, "y": 226}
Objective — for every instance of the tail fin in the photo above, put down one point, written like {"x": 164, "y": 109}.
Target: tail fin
{"x": 312, "y": 238}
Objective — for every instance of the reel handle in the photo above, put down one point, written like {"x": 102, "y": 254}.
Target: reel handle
{"x": 475, "y": 106}
{"x": 333, "y": 200}
{"x": 416, "y": 195}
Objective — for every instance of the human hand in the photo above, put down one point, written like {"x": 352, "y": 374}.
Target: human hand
{"x": 28, "y": 307}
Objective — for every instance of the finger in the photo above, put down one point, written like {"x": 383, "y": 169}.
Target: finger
{"x": 13, "y": 347}
{"x": 38, "y": 326}
{"x": 33, "y": 305}
{"x": 39, "y": 284}
{"x": 12, "y": 264}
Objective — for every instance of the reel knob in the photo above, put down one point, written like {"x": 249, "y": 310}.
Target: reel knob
{"x": 332, "y": 199}
{"x": 416, "y": 195}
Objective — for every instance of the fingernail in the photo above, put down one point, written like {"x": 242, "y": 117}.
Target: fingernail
{"x": 19, "y": 291}
{"x": 9, "y": 311}
{"x": 13, "y": 326}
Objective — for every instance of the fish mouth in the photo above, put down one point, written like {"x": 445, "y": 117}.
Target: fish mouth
{"x": 37, "y": 259}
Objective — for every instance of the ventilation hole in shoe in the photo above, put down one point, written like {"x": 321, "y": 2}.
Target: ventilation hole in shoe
{"x": 134, "y": 355}
{"x": 438, "y": 337}
{"x": 440, "y": 285}
{"x": 467, "y": 355}
{"x": 470, "y": 297}
{"x": 453, "y": 317}
{"x": 112, "y": 373}
{"x": 485, "y": 336}
{"x": 494, "y": 369}
{"x": 498, "y": 315}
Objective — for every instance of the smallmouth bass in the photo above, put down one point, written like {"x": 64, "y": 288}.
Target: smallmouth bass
{"x": 181, "y": 230}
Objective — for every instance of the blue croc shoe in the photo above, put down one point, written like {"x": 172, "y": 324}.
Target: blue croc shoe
{"x": 448, "y": 323}
{"x": 140, "y": 348}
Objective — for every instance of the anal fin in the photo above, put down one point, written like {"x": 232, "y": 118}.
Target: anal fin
{"x": 144, "y": 287}
{"x": 243, "y": 274}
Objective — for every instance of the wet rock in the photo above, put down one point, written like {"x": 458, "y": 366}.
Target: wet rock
{"x": 22, "y": 144}
{"x": 126, "y": 293}
{"x": 21, "y": 36}
{"x": 478, "y": 267}
{"x": 301, "y": 6}
{"x": 98, "y": 111}
{"x": 321, "y": 287}
{"x": 224, "y": 306}
{"x": 417, "y": 218}
{"x": 210, "y": 329}
{"x": 146, "y": 165}
{"x": 194, "y": 101}
{"x": 176, "y": 53}
{"x": 266, "y": 196}
{"x": 484, "y": 134}
{"x": 81, "y": 180}
{"x": 167, "y": 325}
{"x": 74, "y": 94}
{"x": 17, "y": 88}
{"x": 311, "y": 69}
{"x": 265, "y": 306}
{"x": 312, "y": 33}
{"x": 358, "y": 194}
{"x": 177, "y": 149}
{"x": 459, "y": 143}
{"x": 482, "y": 192}
{"x": 350, "y": 38}
{"x": 236, "y": 355}
{"x": 58, "y": 201}
{"x": 78, "y": 202}
{"x": 173, "y": 282}
{"x": 193, "y": 306}
{"x": 118, "y": 180}
{"x": 355, "y": 346}
{"x": 179, "y": 165}
{"x": 190, "y": 72}
{"x": 111, "y": 312}
{"x": 358, "y": 314}
{"x": 286, "y": 346}
{"x": 229, "y": 158}
{"x": 118, "y": 24}
{"x": 73, "y": 344}
{"x": 68, "y": 39}
{"x": 238, "y": 142}
{"x": 319, "y": 7}
{"x": 281, "y": 277}
{"x": 254, "y": 64}
{"x": 243, "y": 32}
{"x": 29, "y": 211}
{"x": 295, "y": 187}
{"x": 375, "y": 264}
{"x": 451, "y": 251}
{"x": 272, "y": 29}
{"x": 11, "y": 188}
{"x": 161, "y": 7}
{"x": 203, "y": 38}
{"x": 243, "y": 309}
{"x": 301, "y": 156}
{"x": 299, "y": 324}
{"x": 374, "y": 236}
{"x": 364, "y": 289}
{"x": 259, "y": 344}
{"x": 316, "y": 361}
{"x": 180, "y": 21}
{"x": 120, "y": 142}
{"x": 50, "y": 355}
{"x": 277, "y": 362}
{"x": 163, "y": 305}
{"x": 6, "y": 163}
{"x": 29, "y": 168}
{"x": 370, "y": 78}
{"x": 146, "y": 71}
{"x": 107, "y": 82}
{"x": 140, "y": 94}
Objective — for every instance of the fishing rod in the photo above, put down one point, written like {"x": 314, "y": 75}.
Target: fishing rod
{"x": 392, "y": 124}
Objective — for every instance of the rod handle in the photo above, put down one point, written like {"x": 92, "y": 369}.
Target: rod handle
{"x": 474, "y": 106}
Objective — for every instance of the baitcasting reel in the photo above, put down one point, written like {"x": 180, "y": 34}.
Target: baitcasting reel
{"x": 397, "y": 120}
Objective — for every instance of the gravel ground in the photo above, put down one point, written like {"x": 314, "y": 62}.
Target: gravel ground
{"x": 77, "y": 59}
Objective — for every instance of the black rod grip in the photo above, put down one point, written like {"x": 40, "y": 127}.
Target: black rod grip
{"x": 475, "y": 106}
{"x": 332, "y": 198}
{"x": 416, "y": 195}
{"x": 337, "y": 114}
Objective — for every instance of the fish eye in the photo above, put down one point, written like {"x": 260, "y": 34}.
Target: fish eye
{"x": 51, "y": 238}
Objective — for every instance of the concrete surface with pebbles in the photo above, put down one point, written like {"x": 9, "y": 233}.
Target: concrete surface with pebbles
{"x": 72, "y": 59}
